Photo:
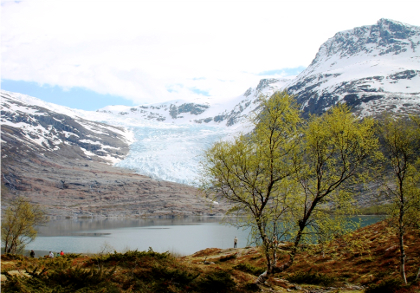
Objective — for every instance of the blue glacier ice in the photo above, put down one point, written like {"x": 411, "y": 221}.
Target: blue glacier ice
{"x": 170, "y": 152}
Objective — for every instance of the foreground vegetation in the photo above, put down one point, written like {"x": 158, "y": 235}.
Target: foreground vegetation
{"x": 371, "y": 265}
{"x": 297, "y": 179}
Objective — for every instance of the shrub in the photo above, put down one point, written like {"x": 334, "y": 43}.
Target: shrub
{"x": 386, "y": 286}
{"x": 71, "y": 255}
{"x": 11, "y": 256}
{"x": 129, "y": 256}
{"x": 63, "y": 280}
{"x": 311, "y": 278}
{"x": 177, "y": 275}
{"x": 252, "y": 287}
{"x": 247, "y": 268}
{"x": 219, "y": 281}
{"x": 165, "y": 277}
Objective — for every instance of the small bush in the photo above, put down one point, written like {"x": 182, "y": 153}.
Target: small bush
{"x": 219, "y": 281}
{"x": 71, "y": 255}
{"x": 55, "y": 264}
{"x": 311, "y": 278}
{"x": 386, "y": 286}
{"x": 129, "y": 256}
{"x": 10, "y": 256}
{"x": 64, "y": 280}
{"x": 247, "y": 268}
{"x": 252, "y": 287}
{"x": 180, "y": 276}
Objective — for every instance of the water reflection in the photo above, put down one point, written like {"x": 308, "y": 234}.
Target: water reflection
{"x": 68, "y": 227}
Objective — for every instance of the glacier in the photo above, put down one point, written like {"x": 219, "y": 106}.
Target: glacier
{"x": 171, "y": 152}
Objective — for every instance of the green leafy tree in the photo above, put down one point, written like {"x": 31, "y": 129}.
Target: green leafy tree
{"x": 252, "y": 171}
{"x": 18, "y": 224}
{"x": 285, "y": 179}
{"x": 401, "y": 139}
{"x": 337, "y": 151}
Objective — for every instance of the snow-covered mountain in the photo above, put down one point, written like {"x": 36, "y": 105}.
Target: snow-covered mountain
{"x": 372, "y": 68}
{"x": 234, "y": 112}
{"x": 45, "y": 127}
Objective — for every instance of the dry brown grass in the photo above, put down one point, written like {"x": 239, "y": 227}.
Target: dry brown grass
{"x": 368, "y": 255}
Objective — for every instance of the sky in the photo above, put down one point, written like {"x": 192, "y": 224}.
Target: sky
{"x": 90, "y": 54}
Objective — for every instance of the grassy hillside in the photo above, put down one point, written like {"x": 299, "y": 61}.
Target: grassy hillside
{"x": 368, "y": 264}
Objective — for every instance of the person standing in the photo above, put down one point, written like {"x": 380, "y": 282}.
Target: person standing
{"x": 235, "y": 242}
{"x": 61, "y": 253}
{"x": 51, "y": 254}
{"x": 32, "y": 254}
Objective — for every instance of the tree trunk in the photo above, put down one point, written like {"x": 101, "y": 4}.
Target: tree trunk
{"x": 401, "y": 242}
{"x": 262, "y": 278}
{"x": 402, "y": 260}
{"x": 278, "y": 269}
{"x": 418, "y": 274}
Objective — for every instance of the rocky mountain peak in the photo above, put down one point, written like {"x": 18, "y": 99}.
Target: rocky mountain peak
{"x": 265, "y": 82}
{"x": 373, "y": 68}
{"x": 387, "y": 36}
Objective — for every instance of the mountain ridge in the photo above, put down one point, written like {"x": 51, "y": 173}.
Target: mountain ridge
{"x": 365, "y": 67}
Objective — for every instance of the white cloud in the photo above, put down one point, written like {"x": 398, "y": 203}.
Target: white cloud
{"x": 140, "y": 49}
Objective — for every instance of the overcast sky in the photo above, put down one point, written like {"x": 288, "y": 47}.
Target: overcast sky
{"x": 87, "y": 54}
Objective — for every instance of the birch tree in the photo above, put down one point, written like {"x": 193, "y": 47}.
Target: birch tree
{"x": 18, "y": 224}
{"x": 337, "y": 152}
{"x": 253, "y": 172}
{"x": 401, "y": 150}
{"x": 286, "y": 178}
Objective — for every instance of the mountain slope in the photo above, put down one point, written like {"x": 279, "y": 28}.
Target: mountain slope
{"x": 43, "y": 130}
{"x": 63, "y": 162}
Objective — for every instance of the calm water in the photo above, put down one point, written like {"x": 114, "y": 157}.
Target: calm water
{"x": 184, "y": 236}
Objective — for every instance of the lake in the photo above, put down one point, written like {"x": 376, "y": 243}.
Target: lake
{"x": 184, "y": 236}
